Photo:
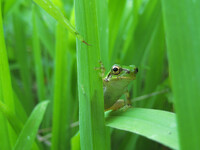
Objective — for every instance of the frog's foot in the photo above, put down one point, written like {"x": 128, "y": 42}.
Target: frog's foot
{"x": 127, "y": 106}
{"x": 119, "y": 104}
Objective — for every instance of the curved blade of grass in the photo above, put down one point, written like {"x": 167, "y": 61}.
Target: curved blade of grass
{"x": 29, "y": 131}
{"x": 75, "y": 142}
{"x": 4, "y": 143}
{"x": 156, "y": 125}
{"x": 51, "y": 9}
{"x": 5, "y": 80}
{"x": 21, "y": 53}
{"x": 44, "y": 32}
{"x": 102, "y": 12}
{"x": 38, "y": 59}
{"x": 115, "y": 17}
{"x": 182, "y": 25}
{"x": 14, "y": 122}
{"x": 62, "y": 92}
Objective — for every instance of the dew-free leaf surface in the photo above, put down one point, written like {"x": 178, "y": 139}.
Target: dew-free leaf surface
{"x": 154, "y": 124}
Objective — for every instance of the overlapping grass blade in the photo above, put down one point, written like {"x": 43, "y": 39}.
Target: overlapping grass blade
{"x": 45, "y": 33}
{"x": 38, "y": 60}
{"x": 5, "y": 82}
{"x": 62, "y": 95}
{"x": 29, "y": 131}
{"x": 14, "y": 122}
{"x": 21, "y": 53}
{"x": 115, "y": 17}
{"x": 182, "y": 24}
{"x": 75, "y": 142}
{"x": 154, "y": 124}
{"x": 62, "y": 92}
{"x": 103, "y": 24}
{"x": 49, "y": 7}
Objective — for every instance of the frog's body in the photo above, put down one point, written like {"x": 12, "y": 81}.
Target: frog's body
{"x": 116, "y": 82}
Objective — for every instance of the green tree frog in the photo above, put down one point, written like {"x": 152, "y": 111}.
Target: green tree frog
{"x": 115, "y": 85}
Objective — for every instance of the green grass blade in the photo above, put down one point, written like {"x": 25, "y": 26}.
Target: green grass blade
{"x": 143, "y": 33}
{"x": 115, "y": 17}
{"x": 62, "y": 92}
{"x": 38, "y": 59}
{"x": 182, "y": 27}
{"x": 91, "y": 116}
{"x": 5, "y": 80}
{"x": 14, "y": 122}
{"x": 21, "y": 53}
{"x": 50, "y": 8}
{"x": 75, "y": 142}
{"x": 45, "y": 34}
{"x": 62, "y": 95}
{"x": 156, "y": 125}
{"x": 102, "y": 12}
{"x": 29, "y": 131}
{"x": 4, "y": 142}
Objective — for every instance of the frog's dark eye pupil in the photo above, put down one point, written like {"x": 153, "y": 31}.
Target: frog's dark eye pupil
{"x": 115, "y": 69}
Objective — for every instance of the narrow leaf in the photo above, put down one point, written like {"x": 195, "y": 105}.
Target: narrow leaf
{"x": 14, "y": 122}
{"x": 5, "y": 80}
{"x": 29, "y": 132}
{"x": 182, "y": 25}
{"x": 62, "y": 92}
{"x": 38, "y": 59}
{"x": 52, "y": 10}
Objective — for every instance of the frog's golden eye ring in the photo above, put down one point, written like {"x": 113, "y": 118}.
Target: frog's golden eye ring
{"x": 116, "y": 70}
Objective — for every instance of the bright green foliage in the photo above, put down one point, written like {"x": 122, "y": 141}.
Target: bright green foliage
{"x": 62, "y": 96}
{"x": 75, "y": 142}
{"x": 153, "y": 124}
{"x": 38, "y": 59}
{"x": 6, "y": 93}
{"x": 43, "y": 55}
{"x": 12, "y": 119}
{"x": 183, "y": 36}
{"x": 22, "y": 56}
{"x": 29, "y": 131}
{"x": 56, "y": 13}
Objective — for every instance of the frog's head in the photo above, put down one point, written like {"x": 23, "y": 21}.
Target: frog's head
{"x": 122, "y": 72}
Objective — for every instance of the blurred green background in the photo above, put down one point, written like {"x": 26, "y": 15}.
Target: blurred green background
{"x": 38, "y": 72}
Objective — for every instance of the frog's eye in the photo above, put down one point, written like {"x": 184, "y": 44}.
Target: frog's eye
{"x": 116, "y": 70}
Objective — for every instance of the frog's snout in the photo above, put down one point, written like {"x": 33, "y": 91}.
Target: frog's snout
{"x": 136, "y": 70}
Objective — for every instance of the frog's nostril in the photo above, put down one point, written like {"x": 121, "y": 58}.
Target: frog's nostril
{"x": 136, "y": 70}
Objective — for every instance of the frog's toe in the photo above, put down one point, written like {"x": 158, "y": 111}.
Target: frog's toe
{"x": 126, "y": 107}
{"x": 129, "y": 105}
